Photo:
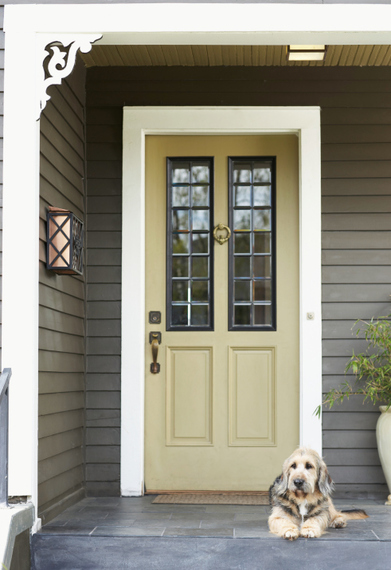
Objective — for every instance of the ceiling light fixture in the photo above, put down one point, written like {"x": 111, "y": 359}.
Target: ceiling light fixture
{"x": 306, "y": 53}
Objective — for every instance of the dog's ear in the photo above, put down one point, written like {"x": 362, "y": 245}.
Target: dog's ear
{"x": 325, "y": 483}
{"x": 280, "y": 484}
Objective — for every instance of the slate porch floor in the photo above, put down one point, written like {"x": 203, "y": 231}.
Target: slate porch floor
{"x": 134, "y": 534}
{"x": 138, "y": 517}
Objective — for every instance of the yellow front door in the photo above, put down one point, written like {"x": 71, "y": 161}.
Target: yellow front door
{"x": 223, "y": 411}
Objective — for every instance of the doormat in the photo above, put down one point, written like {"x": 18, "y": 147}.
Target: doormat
{"x": 211, "y": 499}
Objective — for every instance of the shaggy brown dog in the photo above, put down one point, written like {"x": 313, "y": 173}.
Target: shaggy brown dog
{"x": 300, "y": 498}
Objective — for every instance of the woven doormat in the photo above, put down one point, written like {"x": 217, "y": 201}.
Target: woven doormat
{"x": 211, "y": 499}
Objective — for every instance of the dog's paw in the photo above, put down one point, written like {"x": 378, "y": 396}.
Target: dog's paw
{"x": 291, "y": 534}
{"x": 307, "y": 533}
{"x": 338, "y": 522}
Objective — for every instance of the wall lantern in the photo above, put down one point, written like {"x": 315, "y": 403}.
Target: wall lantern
{"x": 306, "y": 53}
{"x": 64, "y": 251}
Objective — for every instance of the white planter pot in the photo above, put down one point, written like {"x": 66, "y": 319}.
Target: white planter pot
{"x": 383, "y": 436}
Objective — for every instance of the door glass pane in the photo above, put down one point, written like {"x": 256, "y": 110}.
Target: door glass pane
{"x": 180, "y": 220}
{"x": 262, "y": 266}
{"x": 242, "y": 243}
{"x": 262, "y": 242}
{"x": 180, "y": 243}
{"x": 262, "y": 219}
{"x": 200, "y": 195}
{"x": 200, "y": 172}
{"x": 252, "y": 257}
{"x": 262, "y": 315}
{"x": 242, "y": 266}
{"x": 242, "y": 291}
{"x": 200, "y": 219}
{"x": 242, "y": 315}
{"x": 262, "y": 290}
{"x": 242, "y": 219}
{"x": 180, "y": 266}
{"x": 243, "y": 196}
{"x": 199, "y": 315}
{"x": 199, "y": 267}
{"x": 262, "y": 171}
{"x": 180, "y": 315}
{"x": 262, "y": 196}
{"x": 180, "y": 290}
{"x": 180, "y": 172}
{"x": 180, "y": 196}
{"x": 242, "y": 172}
{"x": 199, "y": 291}
{"x": 201, "y": 243}
{"x": 189, "y": 252}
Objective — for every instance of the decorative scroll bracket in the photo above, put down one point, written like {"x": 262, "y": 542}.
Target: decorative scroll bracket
{"x": 57, "y": 61}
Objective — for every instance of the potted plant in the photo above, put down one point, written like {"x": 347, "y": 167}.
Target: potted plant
{"x": 372, "y": 371}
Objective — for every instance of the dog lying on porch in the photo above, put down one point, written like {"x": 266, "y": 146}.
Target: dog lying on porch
{"x": 300, "y": 499}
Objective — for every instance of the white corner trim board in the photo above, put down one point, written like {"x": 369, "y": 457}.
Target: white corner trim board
{"x": 141, "y": 121}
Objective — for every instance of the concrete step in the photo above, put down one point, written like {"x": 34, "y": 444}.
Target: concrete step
{"x": 56, "y": 552}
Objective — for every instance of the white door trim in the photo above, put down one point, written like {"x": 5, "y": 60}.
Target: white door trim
{"x": 141, "y": 121}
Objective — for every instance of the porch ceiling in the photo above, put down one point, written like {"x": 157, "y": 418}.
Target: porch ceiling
{"x": 211, "y": 55}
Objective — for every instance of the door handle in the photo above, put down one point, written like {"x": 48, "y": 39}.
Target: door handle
{"x": 155, "y": 338}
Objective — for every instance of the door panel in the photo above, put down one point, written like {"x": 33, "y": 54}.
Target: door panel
{"x": 251, "y": 396}
{"x": 189, "y": 396}
{"x": 223, "y": 413}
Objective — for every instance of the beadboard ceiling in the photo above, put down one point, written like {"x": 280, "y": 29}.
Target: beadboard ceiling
{"x": 168, "y": 55}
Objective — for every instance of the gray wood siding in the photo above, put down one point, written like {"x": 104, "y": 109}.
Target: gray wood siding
{"x": 104, "y": 204}
{"x": 356, "y": 171}
{"x": 61, "y": 307}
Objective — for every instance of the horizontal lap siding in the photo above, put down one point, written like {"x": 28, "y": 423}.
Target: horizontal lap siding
{"x": 104, "y": 206}
{"x": 356, "y": 238}
{"x": 62, "y": 307}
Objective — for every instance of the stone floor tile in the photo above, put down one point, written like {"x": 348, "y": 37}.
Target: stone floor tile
{"x": 116, "y": 522}
{"x": 201, "y": 532}
{"x": 251, "y": 517}
{"x": 184, "y": 523}
{"x": 127, "y": 531}
{"x": 381, "y": 530}
{"x": 240, "y": 532}
{"x": 210, "y": 524}
{"x": 68, "y": 530}
{"x": 349, "y": 534}
{"x": 185, "y": 508}
{"x": 256, "y": 525}
{"x": 151, "y": 516}
{"x": 226, "y": 517}
{"x": 91, "y": 513}
{"x": 235, "y": 508}
{"x": 145, "y": 523}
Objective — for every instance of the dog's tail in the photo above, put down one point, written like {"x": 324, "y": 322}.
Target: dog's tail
{"x": 354, "y": 514}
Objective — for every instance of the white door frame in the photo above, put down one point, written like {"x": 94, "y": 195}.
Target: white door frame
{"x": 142, "y": 121}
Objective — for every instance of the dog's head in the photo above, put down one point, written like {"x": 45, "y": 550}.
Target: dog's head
{"x": 304, "y": 472}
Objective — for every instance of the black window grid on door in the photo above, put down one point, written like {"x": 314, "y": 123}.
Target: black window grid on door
{"x": 252, "y": 247}
{"x": 189, "y": 266}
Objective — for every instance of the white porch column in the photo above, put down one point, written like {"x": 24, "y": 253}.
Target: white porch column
{"x": 310, "y": 285}
{"x": 20, "y": 258}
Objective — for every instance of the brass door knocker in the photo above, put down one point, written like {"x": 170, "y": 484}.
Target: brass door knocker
{"x": 221, "y": 227}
